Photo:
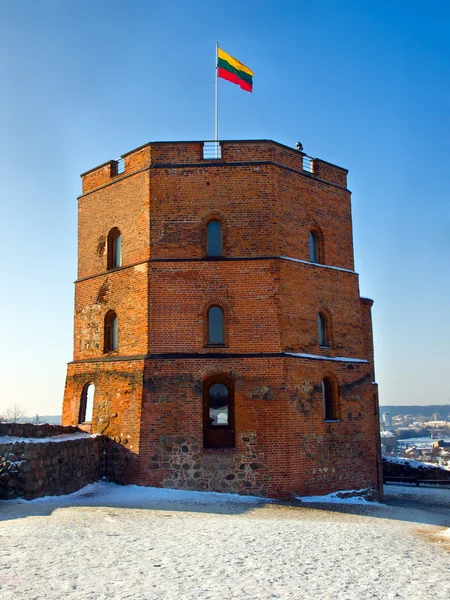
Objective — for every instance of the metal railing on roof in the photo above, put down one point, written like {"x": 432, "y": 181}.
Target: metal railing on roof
{"x": 308, "y": 164}
{"x": 212, "y": 150}
{"x": 120, "y": 168}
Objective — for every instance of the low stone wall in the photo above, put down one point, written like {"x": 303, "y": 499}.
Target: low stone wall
{"x": 413, "y": 468}
{"x": 30, "y": 469}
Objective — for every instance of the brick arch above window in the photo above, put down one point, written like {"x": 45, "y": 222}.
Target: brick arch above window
{"x": 218, "y": 368}
{"x": 216, "y": 299}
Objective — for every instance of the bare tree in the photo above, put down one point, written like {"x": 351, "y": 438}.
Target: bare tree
{"x": 14, "y": 414}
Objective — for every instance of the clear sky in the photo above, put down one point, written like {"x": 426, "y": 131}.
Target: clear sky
{"x": 363, "y": 84}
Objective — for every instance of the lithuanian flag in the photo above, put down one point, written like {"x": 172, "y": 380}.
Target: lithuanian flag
{"x": 232, "y": 70}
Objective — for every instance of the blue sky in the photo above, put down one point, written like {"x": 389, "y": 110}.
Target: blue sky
{"x": 363, "y": 84}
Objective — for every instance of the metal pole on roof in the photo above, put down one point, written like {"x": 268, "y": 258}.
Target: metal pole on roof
{"x": 217, "y": 102}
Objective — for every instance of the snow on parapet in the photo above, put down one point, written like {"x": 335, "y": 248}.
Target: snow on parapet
{"x": 308, "y": 262}
{"x": 409, "y": 462}
{"x": 335, "y": 358}
{"x": 67, "y": 437}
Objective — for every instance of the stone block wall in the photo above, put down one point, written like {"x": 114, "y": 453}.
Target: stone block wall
{"x": 413, "y": 469}
{"x": 34, "y": 468}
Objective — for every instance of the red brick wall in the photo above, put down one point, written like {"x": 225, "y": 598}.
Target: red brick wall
{"x": 184, "y": 200}
{"x": 323, "y": 455}
{"x": 126, "y": 292}
{"x": 302, "y": 204}
{"x": 124, "y": 204}
{"x": 330, "y": 172}
{"x": 306, "y": 290}
{"x": 181, "y": 294}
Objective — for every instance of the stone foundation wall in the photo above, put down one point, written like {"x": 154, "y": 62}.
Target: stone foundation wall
{"x": 187, "y": 465}
{"x": 31, "y": 469}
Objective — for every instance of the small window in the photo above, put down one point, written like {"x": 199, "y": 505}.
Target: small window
{"x": 314, "y": 247}
{"x": 111, "y": 331}
{"x": 216, "y": 325}
{"x": 114, "y": 249}
{"x": 87, "y": 403}
{"x": 322, "y": 330}
{"x": 218, "y": 412}
{"x": 214, "y": 239}
{"x": 330, "y": 401}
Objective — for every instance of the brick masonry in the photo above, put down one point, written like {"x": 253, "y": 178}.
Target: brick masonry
{"x": 148, "y": 392}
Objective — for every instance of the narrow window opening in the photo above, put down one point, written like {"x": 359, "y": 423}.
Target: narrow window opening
{"x": 313, "y": 247}
{"x": 114, "y": 249}
{"x": 117, "y": 254}
{"x": 87, "y": 403}
{"x": 329, "y": 395}
{"x": 322, "y": 330}
{"x": 218, "y": 412}
{"x": 214, "y": 239}
{"x": 111, "y": 340}
{"x": 216, "y": 325}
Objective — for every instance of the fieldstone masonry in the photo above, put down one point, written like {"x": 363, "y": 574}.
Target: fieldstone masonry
{"x": 30, "y": 469}
{"x": 187, "y": 465}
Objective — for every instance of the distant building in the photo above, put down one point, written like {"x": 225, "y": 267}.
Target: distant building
{"x": 435, "y": 424}
{"x": 387, "y": 418}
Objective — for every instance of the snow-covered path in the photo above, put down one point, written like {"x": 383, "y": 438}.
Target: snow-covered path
{"x": 111, "y": 542}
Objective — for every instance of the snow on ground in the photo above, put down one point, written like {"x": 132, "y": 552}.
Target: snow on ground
{"x": 387, "y": 434}
{"x": 112, "y": 542}
{"x": 429, "y": 494}
{"x": 338, "y": 498}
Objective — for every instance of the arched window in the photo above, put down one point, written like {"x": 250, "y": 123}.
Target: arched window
{"x": 214, "y": 239}
{"x": 322, "y": 324}
{"x": 218, "y": 412}
{"x": 314, "y": 247}
{"x": 87, "y": 403}
{"x": 330, "y": 399}
{"x": 111, "y": 332}
{"x": 114, "y": 249}
{"x": 216, "y": 334}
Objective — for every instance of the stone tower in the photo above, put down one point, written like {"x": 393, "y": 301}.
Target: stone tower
{"x": 220, "y": 341}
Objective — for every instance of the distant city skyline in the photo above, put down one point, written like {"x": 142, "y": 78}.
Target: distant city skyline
{"x": 361, "y": 85}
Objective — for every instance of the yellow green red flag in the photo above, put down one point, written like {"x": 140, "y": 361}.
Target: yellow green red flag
{"x": 232, "y": 70}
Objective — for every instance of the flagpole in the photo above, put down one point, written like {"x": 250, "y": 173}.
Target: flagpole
{"x": 217, "y": 101}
